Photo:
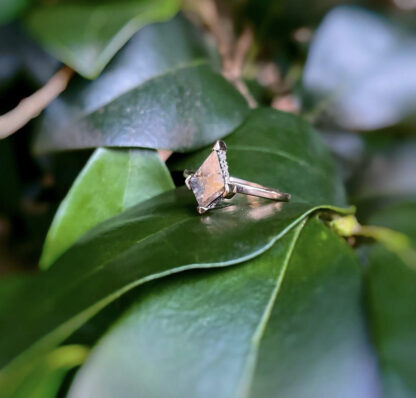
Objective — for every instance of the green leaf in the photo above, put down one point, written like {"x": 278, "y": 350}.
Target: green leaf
{"x": 279, "y": 150}
{"x": 86, "y": 36}
{"x": 11, "y": 9}
{"x": 43, "y": 377}
{"x": 362, "y": 66}
{"x": 159, "y": 92}
{"x": 163, "y": 236}
{"x": 391, "y": 299}
{"x": 287, "y": 324}
{"x": 112, "y": 181}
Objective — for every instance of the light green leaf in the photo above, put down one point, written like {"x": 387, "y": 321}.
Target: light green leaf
{"x": 112, "y": 181}
{"x": 43, "y": 377}
{"x": 86, "y": 35}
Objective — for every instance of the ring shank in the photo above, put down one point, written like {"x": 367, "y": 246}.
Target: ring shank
{"x": 250, "y": 188}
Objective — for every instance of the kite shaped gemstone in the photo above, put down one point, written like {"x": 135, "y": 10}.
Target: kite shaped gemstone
{"x": 208, "y": 183}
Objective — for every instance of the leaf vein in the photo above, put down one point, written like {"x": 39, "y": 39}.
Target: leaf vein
{"x": 244, "y": 384}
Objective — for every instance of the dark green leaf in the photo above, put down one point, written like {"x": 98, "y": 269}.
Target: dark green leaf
{"x": 279, "y": 150}
{"x": 112, "y": 181}
{"x": 159, "y": 92}
{"x": 11, "y": 9}
{"x": 286, "y": 324}
{"x": 391, "y": 297}
{"x": 362, "y": 66}
{"x": 165, "y": 235}
{"x": 86, "y": 36}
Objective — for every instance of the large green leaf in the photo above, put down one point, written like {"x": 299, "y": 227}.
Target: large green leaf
{"x": 111, "y": 181}
{"x": 86, "y": 36}
{"x": 159, "y": 92}
{"x": 286, "y": 324}
{"x": 391, "y": 296}
{"x": 165, "y": 235}
{"x": 362, "y": 66}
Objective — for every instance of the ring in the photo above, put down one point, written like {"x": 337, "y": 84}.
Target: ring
{"x": 211, "y": 183}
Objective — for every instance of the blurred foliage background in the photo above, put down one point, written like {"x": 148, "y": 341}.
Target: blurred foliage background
{"x": 347, "y": 67}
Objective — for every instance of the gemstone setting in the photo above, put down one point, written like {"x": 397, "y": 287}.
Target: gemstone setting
{"x": 209, "y": 182}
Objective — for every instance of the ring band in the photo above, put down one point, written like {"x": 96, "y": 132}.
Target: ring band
{"x": 211, "y": 183}
{"x": 250, "y": 188}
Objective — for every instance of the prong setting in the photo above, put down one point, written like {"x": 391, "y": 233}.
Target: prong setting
{"x": 211, "y": 183}
{"x": 187, "y": 182}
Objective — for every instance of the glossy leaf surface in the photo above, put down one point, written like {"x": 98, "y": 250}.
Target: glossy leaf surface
{"x": 287, "y": 324}
{"x": 159, "y": 92}
{"x": 391, "y": 296}
{"x": 111, "y": 181}
{"x": 143, "y": 243}
{"x": 362, "y": 65}
{"x": 86, "y": 36}
{"x": 152, "y": 240}
{"x": 280, "y": 150}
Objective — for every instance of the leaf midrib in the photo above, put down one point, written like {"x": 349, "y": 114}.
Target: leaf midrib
{"x": 247, "y": 375}
{"x": 127, "y": 180}
{"x": 62, "y": 330}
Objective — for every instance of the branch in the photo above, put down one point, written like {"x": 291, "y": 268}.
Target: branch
{"x": 242, "y": 47}
{"x": 31, "y": 106}
{"x": 164, "y": 154}
{"x": 232, "y": 52}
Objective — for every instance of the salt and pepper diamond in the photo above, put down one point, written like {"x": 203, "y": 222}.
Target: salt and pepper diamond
{"x": 209, "y": 182}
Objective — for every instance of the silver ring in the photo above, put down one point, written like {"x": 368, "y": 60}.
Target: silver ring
{"x": 211, "y": 183}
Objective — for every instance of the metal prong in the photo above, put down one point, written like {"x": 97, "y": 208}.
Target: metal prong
{"x": 230, "y": 191}
{"x": 201, "y": 210}
{"x": 188, "y": 185}
{"x": 187, "y": 173}
{"x": 219, "y": 146}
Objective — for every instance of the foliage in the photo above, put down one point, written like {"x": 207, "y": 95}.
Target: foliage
{"x": 136, "y": 294}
